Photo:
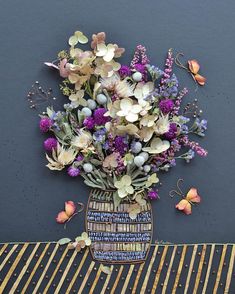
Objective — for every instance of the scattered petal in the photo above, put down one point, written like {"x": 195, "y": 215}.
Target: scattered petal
{"x": 105, "y": 269}
{"x": 64, "y": 241}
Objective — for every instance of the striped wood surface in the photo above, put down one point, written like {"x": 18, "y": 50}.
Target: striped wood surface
{"x": 48, "y": 268}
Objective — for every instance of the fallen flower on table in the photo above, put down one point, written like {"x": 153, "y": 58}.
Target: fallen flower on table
{"x": 106, "y": 269}
{"x": 79, "y": 243}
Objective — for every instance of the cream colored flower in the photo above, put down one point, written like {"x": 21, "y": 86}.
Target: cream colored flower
{"x": 146, "y": 133}
{"x": 80, "y": 71}
{"x": 148, "y": 120}
{"x": 129, "y": 129}
{"x": 153, "y": 179}
{"x": 129, "y": 110}
{"x": 82, "y": 141}
{"x": 110, "y": 161}
{"x": 146, "y": 106}
{"x": 77, "y": 99}
{"x": 105, "y": 51}
{"x": 157, "y": 146}
{"x": 109, "y": 83}
{"x": 78, "y": 37}
{"x": 124, "y": 186}
{"x": 162, "y": 125}
{"x": 106, "y": 69}
{"x": 142, "y": 90}
{"x": 113, "y": 108}
{"x": 96, "y": 89}
{"x": 122, "y": 88}
{"x": 61, "y": 157}
{"x": 128, "y": 159}
{"x": 108, "y": 52}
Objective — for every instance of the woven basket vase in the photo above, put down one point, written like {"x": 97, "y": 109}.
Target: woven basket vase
{"x": 116, "y": 238}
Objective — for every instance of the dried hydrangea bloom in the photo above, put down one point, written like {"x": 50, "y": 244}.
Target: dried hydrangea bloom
{"x": 153, "y": 179}
{"x": 129, "y": 129}
{"x": 146, "y": 133}
{"x": 97, "y": 39}
{"x": 124, "y": 187}
{"x": 111, "y": 161}
{"x": 148, "y": 120}
{"x": 129, "y": 110}
{"x": 157, "y": 146}
{"x": 106, "y": 69}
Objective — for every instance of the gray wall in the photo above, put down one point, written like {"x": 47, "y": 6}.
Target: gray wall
{"x": 32, "y": 32}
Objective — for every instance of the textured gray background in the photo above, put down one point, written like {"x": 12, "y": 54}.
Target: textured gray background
{"x": 33, "y": 32}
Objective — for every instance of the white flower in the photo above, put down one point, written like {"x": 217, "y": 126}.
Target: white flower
{"x": 113, "y": 108}
{"x": 61, "y": 157}
{"x": 124, "y": 89}
{"x": 157, "y": 146}
{"x": 77, "y": 99}
{"x": 162, "y": 125}
{"x": 82, "y": 141}
{"x": 120, "y": 87}
{"x": 105, "y": 51}
{"x": 129, "y": 129}
{"x": 129, "y": 110}
{"x": 143, "y": 90}
{"x": 146, "y": 133}
{"x": 124, "y": 186}
{"x": 148, "y": 120}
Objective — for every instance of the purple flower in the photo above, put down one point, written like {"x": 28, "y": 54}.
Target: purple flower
{"x": 166, "y": 105}
{"x": 45, "y": 124}
{"x": 50, "y": 143}
{"x": 120, "y": 144}
{"x": 99, "y": 117}
{"x": 99, "y": 135}
{"x": 79, "y": 158}
{"x": 73, "y": 171}
{"x": 172, "y": 133}
{"x": 89, "y": 123}
{"x": 140, "y": 67}
{"x": 153, "y": 194}
{"x": 124, "y": 71}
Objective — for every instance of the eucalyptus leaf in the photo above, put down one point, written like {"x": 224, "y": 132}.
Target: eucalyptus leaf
{"x": 90, "y": 184}
{"x": 95, "y": 161}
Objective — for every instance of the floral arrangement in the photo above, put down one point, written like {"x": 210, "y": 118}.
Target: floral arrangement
{"x": 122, "y": 124}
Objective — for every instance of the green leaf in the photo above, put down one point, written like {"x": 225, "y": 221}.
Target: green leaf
{"x": 95, "y": 161}
{"x": 116, "y": 199}
{"x": 64, "y": 241}
{"x": 50, "y": 112}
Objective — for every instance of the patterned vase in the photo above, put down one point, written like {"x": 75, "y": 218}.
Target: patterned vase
{"x": 116, "y": 238}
